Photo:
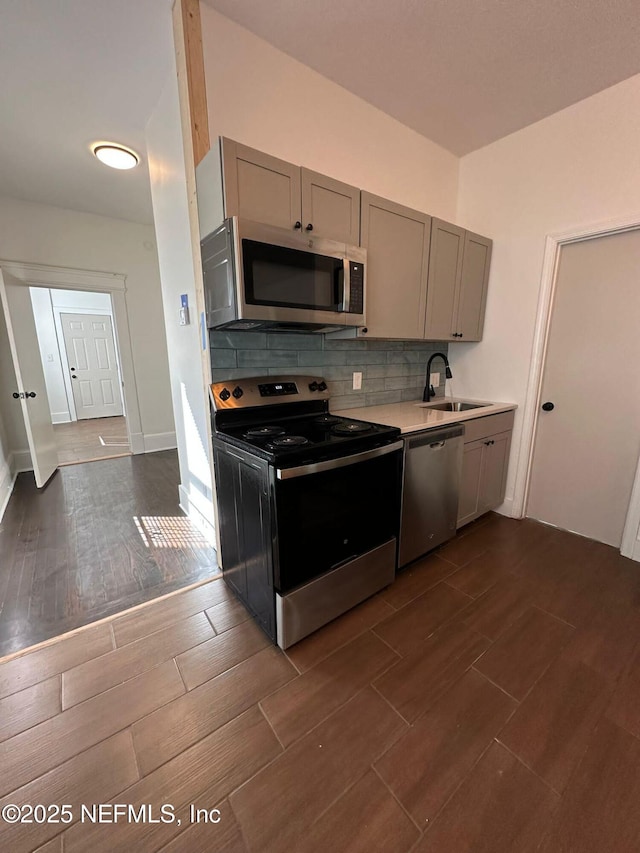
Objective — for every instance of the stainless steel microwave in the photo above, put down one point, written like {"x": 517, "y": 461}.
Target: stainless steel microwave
{"x": 260, "y": 277}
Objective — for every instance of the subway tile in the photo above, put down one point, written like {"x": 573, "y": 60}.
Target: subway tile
{"x": 395, "y": 383}
{"x": 366, "y": 357}
{"x": 224, "y": 358}
{"x": 369, "y": 386}
{"x": 293, "y": 371}
{"x": 315, "y": 359}
{"x": 348, "y": 401}
{"x": 238, "y": 340}
{"x": 267, "y": 357}
{"x": 282, "y": 340}
{"x": 407, "y": 357}
{"x": 381, "y": 398}
{"x": 374, "y": 371}
{"x": 413, "y": 393}
{"x": 227, "y": 374}
{"x": 332, "y": 371}
{"x": 335, "y": 344}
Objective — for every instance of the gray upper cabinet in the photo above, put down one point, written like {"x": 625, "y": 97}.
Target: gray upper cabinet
{"x": 445, "y": 273}
{"x": 265, "y": 189}
{"x": 476, "y": 261}
{"x": 330, "y": 208}
{"x": 397, "y": 242}
{"x": 457, "y": 290}
{"x": 260, "y": 187}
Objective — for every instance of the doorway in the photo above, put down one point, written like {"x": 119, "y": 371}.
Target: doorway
{"x": 587, "y": 438}
{"x": 81, "y": 366}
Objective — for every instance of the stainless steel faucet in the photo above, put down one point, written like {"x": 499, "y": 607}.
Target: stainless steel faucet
{"x": 429, "y": 391}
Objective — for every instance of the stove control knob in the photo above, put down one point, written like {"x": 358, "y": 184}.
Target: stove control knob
{"x": 322, "y": 386}
{"x": 313, "y": 386}
{"x": 237, "y": 392}
{"x": 225, "y": 394}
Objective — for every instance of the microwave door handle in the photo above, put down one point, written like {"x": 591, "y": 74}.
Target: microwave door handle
{"x": 345, "y": 305}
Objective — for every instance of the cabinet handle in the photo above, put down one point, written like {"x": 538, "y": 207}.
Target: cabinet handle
{"x": 309, "y": 227}
{"x": 297, "y": 225}
{"x": 365, "y": 330}
{"x": 489, "y": 442}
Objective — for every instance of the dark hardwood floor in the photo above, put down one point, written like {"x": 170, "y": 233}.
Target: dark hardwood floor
{"x": 101, "y": 537}
{"x": 487, "y": 702}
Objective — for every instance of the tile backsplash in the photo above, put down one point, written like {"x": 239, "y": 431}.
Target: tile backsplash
{"x": 392, "y": 371}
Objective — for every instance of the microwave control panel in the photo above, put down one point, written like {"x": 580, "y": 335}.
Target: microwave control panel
{"x": 356, "y": 278}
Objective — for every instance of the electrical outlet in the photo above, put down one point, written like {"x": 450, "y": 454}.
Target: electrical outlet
{"x": 357, "y": 381}
{"x": 434, "y": 379}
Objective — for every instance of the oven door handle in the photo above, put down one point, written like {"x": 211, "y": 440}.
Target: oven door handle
{"x": 342, "y": 462}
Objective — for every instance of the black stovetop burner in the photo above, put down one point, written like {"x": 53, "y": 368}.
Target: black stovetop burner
{"x": 283, "y": 422}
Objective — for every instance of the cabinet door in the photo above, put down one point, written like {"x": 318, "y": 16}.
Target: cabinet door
{"x": 331, "y": 208}
{"x": 260, "y": 187}
{"x": 472, "y": 463}
{"x": 445, "y": 271}
{"x": 397, "y": 242}
{"x": 473, "y": 287}
{"x": 493, "y": 478}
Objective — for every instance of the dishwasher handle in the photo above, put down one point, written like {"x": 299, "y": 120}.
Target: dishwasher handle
{"x": 435, "y": 437}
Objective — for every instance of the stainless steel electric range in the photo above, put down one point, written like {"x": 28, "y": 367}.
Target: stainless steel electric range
{"x": 308, "y": 502}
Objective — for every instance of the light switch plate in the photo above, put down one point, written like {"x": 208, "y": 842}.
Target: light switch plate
{"x": 434, "y": 379}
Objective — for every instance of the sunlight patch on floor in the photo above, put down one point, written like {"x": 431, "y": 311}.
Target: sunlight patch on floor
{"x": 169, "y": 532}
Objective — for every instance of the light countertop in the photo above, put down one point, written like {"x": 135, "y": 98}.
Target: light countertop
{"x": 416, "y": 415}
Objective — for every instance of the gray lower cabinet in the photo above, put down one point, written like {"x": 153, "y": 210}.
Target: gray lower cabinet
{"x": 266, "y": 189}
{"x": 243, "y": 492}
{"x": 459, "y": 264}
{"x": 484, "y": 465}
{"x": 397, "y": 242}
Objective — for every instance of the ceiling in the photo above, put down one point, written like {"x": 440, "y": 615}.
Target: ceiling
{"x": 73, "y": 72}
{"x": 461, "y": 72}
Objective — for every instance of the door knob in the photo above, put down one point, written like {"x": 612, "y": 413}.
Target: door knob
{"x": 548, "y": 407}
{"x": 16, "y": 395}
{"x": 73, "y": 376}
{"x": 30, "y": 394}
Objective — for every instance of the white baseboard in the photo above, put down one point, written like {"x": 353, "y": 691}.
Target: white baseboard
{"x": 635, "y": 554}
{"x": 506, "y": 508}
{"x": 159, "y": 441}
{"x": 137, "y": 442}
{"x": 7, "y": 480}
{"x": 195, "y": 515}
{"x": 60, "y": 418}
{"x": 21, "y": 461}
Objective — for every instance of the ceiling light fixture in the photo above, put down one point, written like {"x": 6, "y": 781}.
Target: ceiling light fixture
{"x": 116, "y": 156}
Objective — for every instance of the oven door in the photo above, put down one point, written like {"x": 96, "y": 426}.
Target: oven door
{"x": 332, "y": 512}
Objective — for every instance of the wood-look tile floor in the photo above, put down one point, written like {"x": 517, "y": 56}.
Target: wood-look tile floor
{"x": 99, "y": 538}
{"x": 488, "y": 701}
{"x": 79, "y": 441}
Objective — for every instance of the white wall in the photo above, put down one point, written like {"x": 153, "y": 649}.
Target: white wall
{"x": 261, "y": 97}
{"x": 48, "y": 304}
{"x": 35, "y": 233}
{"x": 177, "y": 274}
{"x": 576, "y": 168}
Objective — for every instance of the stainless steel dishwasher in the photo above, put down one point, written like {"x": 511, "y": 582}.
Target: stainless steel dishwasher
{"x": 431, "y": 482}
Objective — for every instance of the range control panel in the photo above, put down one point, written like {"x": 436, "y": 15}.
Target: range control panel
{"x": 266, "y": 390}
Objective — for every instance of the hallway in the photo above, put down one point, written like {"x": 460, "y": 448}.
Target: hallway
{"x": 88, "y": 440}
{"x": 101, "y": 537}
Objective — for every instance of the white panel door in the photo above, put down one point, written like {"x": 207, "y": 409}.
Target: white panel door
{"x": 25, "y": 351}
{"x": 588, "y": 433}
{"x": 91, "y": 357}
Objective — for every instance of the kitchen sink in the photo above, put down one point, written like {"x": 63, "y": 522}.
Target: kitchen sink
{"x": 458, "y": 406}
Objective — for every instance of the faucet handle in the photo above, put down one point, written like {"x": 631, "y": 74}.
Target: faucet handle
{"x": 432, "y": 391}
